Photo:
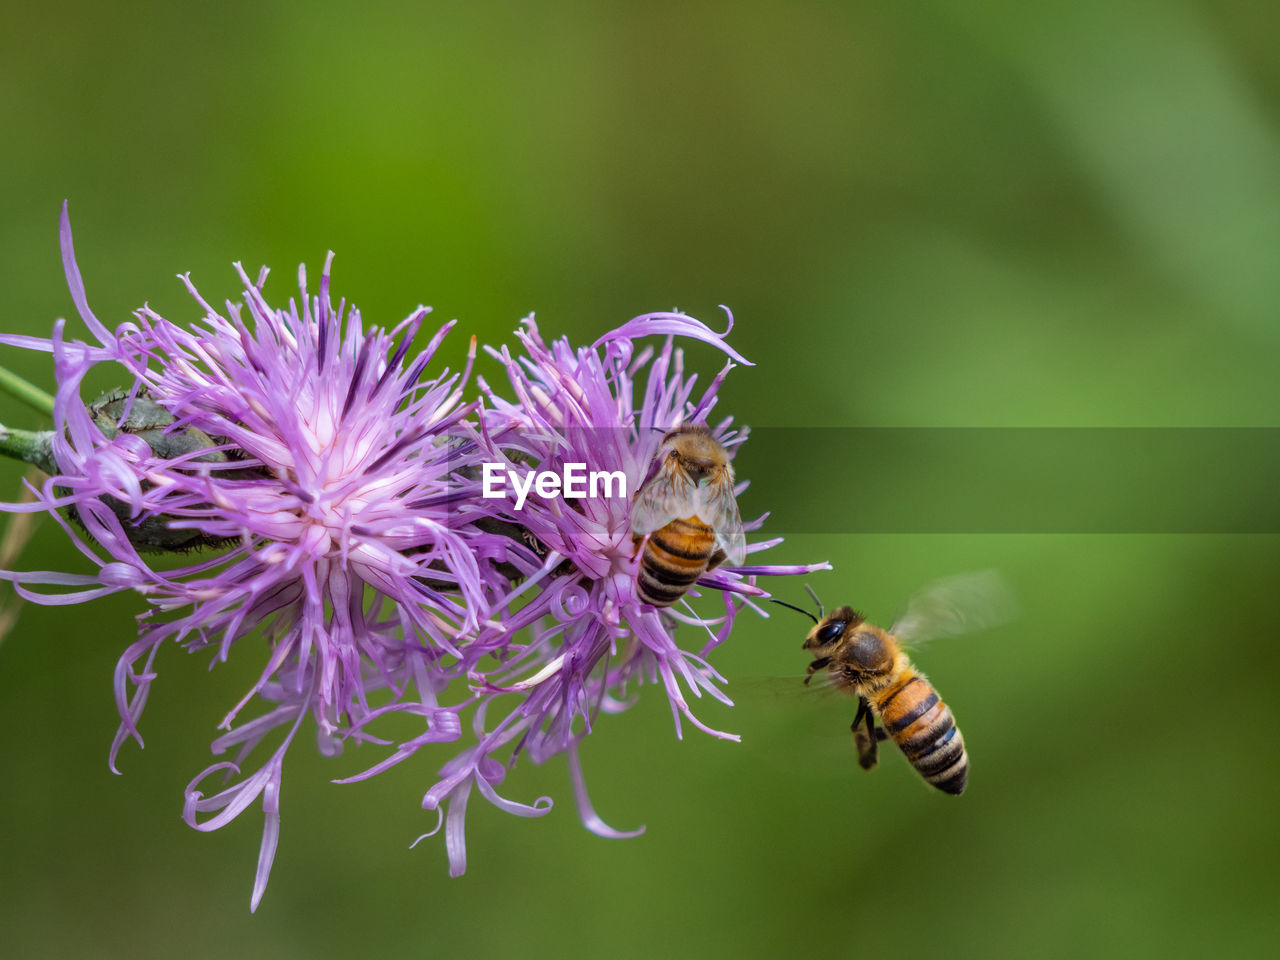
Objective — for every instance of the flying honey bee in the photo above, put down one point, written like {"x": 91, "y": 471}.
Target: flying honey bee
{"x": 868, "y": 662}
{"x": 689, "y": 513}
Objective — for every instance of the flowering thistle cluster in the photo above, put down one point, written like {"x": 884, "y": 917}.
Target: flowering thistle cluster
{"x": 330, "y": 484}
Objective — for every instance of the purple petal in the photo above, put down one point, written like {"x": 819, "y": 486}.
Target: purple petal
{"x": 590, "y": 819}
{"x": 678, "y": 324}
{"x": 74, "y": 282}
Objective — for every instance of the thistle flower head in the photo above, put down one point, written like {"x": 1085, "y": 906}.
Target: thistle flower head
{"x": 591, "y": 635}
{"x": 345, "y": 488}
{"x": 312, "y": 444}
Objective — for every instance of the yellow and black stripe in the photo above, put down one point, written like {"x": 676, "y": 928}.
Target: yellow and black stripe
{"x": 674, "y": 558}
{"x": 924, "y": 729}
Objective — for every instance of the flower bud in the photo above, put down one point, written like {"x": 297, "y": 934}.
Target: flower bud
{"x": 150, "y": 422}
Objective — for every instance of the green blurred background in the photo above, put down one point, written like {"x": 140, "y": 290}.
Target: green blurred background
{"x": 1062, "y": 214}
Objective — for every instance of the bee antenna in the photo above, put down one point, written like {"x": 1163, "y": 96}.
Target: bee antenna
{"x": 821, "y": 611}
{"x": 783, "y": 603}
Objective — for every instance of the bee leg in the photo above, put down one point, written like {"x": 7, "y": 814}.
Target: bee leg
{"x": 865, "y": 735}
{"x": 717, "y": 558}
{"x": 815, "y": 667}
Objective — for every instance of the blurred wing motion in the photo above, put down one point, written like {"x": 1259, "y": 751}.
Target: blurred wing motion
{"x": 965, "y": 603}
{"x": 718, "y": 508}
{"x": 668, "y": 495}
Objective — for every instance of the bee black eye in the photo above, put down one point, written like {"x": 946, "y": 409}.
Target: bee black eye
{"x": 831, "y": 631}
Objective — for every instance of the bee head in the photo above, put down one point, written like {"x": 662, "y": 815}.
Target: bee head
{"x": 695, "y": 451}
{"x": 831, "y": 630}
{"x": 696, "y": 469}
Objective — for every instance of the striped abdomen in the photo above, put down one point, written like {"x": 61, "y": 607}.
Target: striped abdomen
{"x": 923, "y": 728}
{"x": 674, "y": 557}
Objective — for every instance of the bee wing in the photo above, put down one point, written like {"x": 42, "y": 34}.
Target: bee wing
{"x": 765, "y": 692}
{"x": 795, "y": 729}
{"x": 667, "y": 495}
{"x": 718, "y": 507}
{"x": 965, "y": 603}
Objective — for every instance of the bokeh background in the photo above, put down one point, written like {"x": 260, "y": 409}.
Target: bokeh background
{"x": 923, "y": 215}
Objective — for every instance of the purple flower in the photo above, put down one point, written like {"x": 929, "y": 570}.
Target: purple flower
{"x": 346, "y": 493}
{"x": 317, "y": 450}
{"x": 590, "y": 636}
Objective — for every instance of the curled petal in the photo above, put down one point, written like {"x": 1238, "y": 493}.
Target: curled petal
{"x": 455, "y": 834}
{"x": 538, "y": 808}
{"x": 590, "y": 819}
{"x": 678, "y": 324}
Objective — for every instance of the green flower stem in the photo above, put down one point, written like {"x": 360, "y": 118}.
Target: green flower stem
{"x": 28, "y": 393}
{"x": 30, "y": 446}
